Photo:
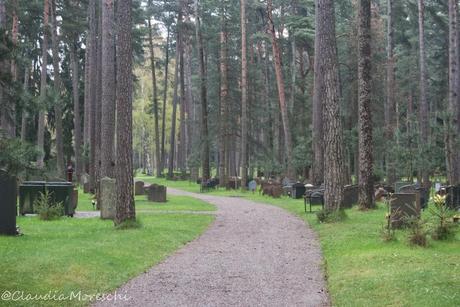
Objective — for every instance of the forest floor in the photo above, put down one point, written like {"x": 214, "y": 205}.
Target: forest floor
{"x": 85, "y": 257}
{"x": 361, "y": 269}
{"x": 252, "y": 255}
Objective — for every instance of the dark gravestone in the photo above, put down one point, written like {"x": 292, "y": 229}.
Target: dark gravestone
{"x": 157, "y": 193}
{"x": 453, "y": 197}
{"x": 350, "y": 196}
{"x": 8, "y": 210}
{"x": 423, "y": 194}
{"x": 298, "y": 190}
{"x": 29, "y": 191}
{"x": 139, "y": 188}
{"x": 400, "y": 184}
{"x": 233, "y": 183}
{"x": 274, "y": 190}
{"x": 74, "y": 199}
{"x": 403, "y": 206}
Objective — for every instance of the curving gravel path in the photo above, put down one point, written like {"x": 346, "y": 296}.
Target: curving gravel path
{"x": 252, "y": 255}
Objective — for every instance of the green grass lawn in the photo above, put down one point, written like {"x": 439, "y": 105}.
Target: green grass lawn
{"x": 90, "y": 255}
{"x": 362, "y": 270}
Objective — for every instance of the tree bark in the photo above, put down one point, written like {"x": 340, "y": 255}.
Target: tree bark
{"x": 92, "y": 90}
{"x": 43, "y": 75}
{"x": 172, "y": 140}
{"x": 223, "y": 108}
{"x": 389, "y": 109}
{"x": 108, "y": 93}
{"x": 203, "y": 96}
{"x": 76, "y": 110}
{"x": 60, "y": 163}
{"x": 317, "y": 117}
{"x": 281, "y": 92}
{"x": 450, "y": 135}
{"x": 366, "y": 184}
{"x": 334, "y": 169}
{"x": 155, "y": 100}
{"x": 165, "y": 94}
{"x": 244, "y": 99}
{"x": 124, "y": 90}
{"x": 424, "y": 118}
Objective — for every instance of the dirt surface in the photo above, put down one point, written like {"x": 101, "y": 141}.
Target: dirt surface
{"x": 252, "y": 255}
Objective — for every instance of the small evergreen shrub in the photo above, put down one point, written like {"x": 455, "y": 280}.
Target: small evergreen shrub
{"x": 46, "y": 208}
{"x": 417, "y": 234}
{"x": 444, "y": 228}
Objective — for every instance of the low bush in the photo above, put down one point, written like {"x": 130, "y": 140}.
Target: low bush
{"x": 46, "y": 208}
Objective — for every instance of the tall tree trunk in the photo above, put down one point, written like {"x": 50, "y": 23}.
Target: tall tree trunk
{"x": 108, "y": 93}
{"x": 189, "y": 102}
{"x": 24, "y": 112}
{"x": 203, "y": 96}
{"x": 4, "y": 122}
{"x": 281, "y": 92}
{"x": 43, "y": 75}
{"x": 390, "y": 99}
{"x": 92, "y": 91}
{"x": 60, "y": 163}
{"x": 366, "y": 184}
{"x": 224, "y": 134}
{"x": 165, "y": 95}
{"x": 98, "y": 101}
{"x": 172, "y": 140}
{"x": 451, "y": 139}
{"x": 334, "y": 169}
{"x": 244, "y": 99}
{"x": 317, "y": 117}
{"x": 86, "y": 111}
{"x": 124, "y": 90}
{"x": 182, "y": 141}
{"x": 76, "y": 110}
{"x": 155, "y": 99}
{"x": 424, "y": 118}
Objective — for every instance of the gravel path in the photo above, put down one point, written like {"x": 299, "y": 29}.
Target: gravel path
{"x": 252, "y": 255}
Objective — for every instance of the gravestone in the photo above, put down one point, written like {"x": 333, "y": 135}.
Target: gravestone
{"x": 86, "y": 188}
{"x": 74, "y": 199}
{"x": 139, "y": 188}
{"x": 380, "y": 194}
{"x": 84, "y": 178}
{"x": 274, "y": 190}
{"x": 8, "y": 210}
{"x": 350, "y": 196}
{"x": 157, "y": 193}
{"x": 252, "y": 185}
{"x": 108, "y": 198}
{"x": 298, "y": 190}
{"x": 453, "y": 197}
{"x": 423, "y": 194}
{"x": 402, "y": 206}
{"x": 400, "y": 184}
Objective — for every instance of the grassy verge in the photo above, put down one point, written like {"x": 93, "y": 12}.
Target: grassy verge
{"x": 362, "y": 270}
{"x": 89, "y": 255}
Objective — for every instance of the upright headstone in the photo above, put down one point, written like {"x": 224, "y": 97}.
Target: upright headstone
{"x": 403, "y": 206}
{"x": 8, "y": 209}
{"x": 86, "y": 188}
{"x": 84, "y": 178}
{"x": 252, "y": 185}
{"x": 74, "y": 199}
{"x": 139, "y": 188}
{"x": 350, "y": 196}
{"x": 157, "y": 193}
{"x": 108, "y": 198}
